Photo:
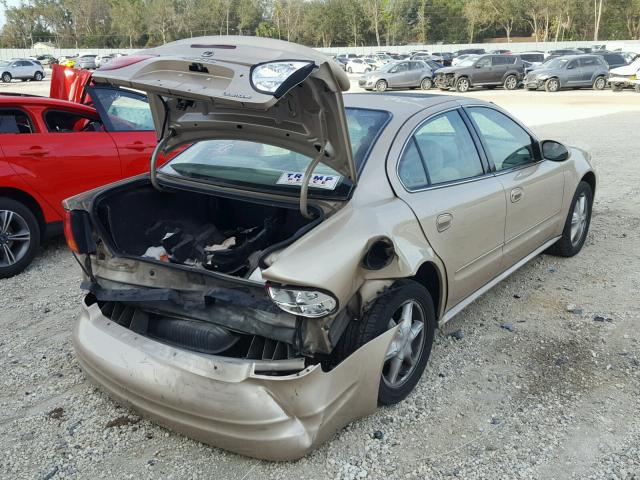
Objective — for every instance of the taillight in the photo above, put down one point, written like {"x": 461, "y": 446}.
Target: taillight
{"x": 77, "y": 232}
{"x": 68, "y": 233}
{"x": 124, "y": 61}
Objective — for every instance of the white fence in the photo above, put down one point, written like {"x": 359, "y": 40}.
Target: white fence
{"x": 625, "y": 45}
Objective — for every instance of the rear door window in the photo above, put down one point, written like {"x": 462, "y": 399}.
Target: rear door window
{"x": 15, "y": 121}
{"x": 589, "y": 62}
{"x": 440, "y": 151}
{"x": 499, "y": 60}
{"x": 122, "y": 110}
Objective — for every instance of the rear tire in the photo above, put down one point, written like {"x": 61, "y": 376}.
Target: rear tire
{"x": 38, "y": 76}
{"x": 6, "y": 77}
{"x": 552, "y": 85}
{"x": 576, "y": 226}
{"x": 600, "y": 83}
{"x": 19, "y": 237}
{"x": 426, "y": 84}
{"x": 637, "y": 88}
{"x": 349, "y": 70}
{"x": 412, "y": 345}
{"x": 511, "y": 82}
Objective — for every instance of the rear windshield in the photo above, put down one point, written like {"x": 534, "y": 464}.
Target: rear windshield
{"x": 263, "y": 166}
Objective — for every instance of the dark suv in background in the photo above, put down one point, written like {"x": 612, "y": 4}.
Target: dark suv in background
{"x": 484, "y": 71}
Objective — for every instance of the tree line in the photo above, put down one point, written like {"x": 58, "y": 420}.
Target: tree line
{"x": 318, "y": 23}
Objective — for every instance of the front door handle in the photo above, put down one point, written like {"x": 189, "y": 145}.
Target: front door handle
{"x": 444, "y": 221}
{"x": 516, "y": 194}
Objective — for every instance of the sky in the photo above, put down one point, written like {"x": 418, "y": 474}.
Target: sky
{"x": 10, "y": 3}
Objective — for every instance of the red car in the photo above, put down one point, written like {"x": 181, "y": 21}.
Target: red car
{"x": 52, "y": 149}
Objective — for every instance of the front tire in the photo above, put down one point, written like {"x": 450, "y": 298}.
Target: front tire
{"x": 576, "y": 226}
{"x": 552, "y": 85}
{"x": 381, "y": 86}
{"x": 409, "y": 304}
{"x": 462, "y": 85}
{"x": 600, "y": 83}
{"x": 19, "y": 237}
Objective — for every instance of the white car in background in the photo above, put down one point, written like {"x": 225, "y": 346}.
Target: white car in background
{"x": 358, "y": 65}
{"x": 375, "y": 62}
{"x": 460, "y": 58}
{"x": 21, "y": 68}
{"x": 625, "y": 76}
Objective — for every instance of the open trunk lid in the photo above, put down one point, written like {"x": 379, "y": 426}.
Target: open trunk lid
{"x": 245, "y": 88}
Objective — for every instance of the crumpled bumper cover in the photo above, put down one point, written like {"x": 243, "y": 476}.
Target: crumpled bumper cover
{"x": 222, "y": 401}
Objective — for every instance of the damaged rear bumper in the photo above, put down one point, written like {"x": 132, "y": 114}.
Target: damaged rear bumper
{"x": 222, "y": 401}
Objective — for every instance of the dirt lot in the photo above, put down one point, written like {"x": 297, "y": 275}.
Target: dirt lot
{"x": 556, "y": 398}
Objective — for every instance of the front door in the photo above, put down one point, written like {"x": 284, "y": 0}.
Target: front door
{"x": 459, "y": 203}
{"x": 483, "y": 71}
{"x": 533, "y": 187}
{"x": 574, "y": 73}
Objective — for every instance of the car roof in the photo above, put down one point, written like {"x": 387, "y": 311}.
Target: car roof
{"x": 34, "y": 100}
{"x": 399, "y": 104}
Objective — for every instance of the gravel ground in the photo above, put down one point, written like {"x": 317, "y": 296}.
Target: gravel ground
{"x": 554, "y": 395}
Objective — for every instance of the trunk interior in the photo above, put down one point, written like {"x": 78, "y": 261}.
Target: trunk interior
{"x": 200, "y": 230}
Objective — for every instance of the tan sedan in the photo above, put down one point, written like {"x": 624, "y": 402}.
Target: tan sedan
{"x": 285, "y": 273}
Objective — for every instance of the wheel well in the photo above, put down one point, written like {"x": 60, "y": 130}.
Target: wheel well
{"x": 428, "y": 275}
{"x": 28, "y": 201}
{"x": 590, "y": 178}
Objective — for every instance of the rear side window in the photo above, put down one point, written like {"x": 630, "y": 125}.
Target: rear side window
{"x": 15, "y": 121}
{"x": 508, "y": 144}
{"x": 59, "y": 121}
{"x": 411, "y": 170}
{"x": 499, "y": 60}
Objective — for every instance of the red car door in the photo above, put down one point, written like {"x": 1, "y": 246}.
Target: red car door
{"x": 67, "y": 153}
{"x": 127, "y": 117}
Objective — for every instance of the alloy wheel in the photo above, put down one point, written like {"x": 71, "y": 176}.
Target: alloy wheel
{"x": 579, "y": 219}
{"x": 600, "y": 83}
{"x": 511, "y": 82}
{"x": 381, "y": 86}
{"x": 38, "y": 76}
{"x": 407, "y": 347}
{"x": 426, "y": 84}
{"x": 15, "y": 238}
{"x": 462, "y": 85}
{"x": 6, "y": 78}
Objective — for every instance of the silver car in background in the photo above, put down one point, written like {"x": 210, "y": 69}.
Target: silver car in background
{"x": 570, "y": 71}
{"x": 404, "y": 74}
{"x": 21, "y": 68}
{"x": 87, "y": 61}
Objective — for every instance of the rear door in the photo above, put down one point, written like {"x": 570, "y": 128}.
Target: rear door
{"x": 534, "y": 187}
{"x": 441, "y": 174}
{"x": 71, "y": 156}
{"x": 127, "y": 118}
{"x": 499, "y": 65}
{"x": 588, "y": 67}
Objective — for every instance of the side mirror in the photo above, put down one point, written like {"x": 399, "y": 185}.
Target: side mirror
{"x": 554, "y": 151}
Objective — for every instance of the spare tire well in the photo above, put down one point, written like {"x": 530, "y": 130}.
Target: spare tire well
{"x": 428, "y": 276}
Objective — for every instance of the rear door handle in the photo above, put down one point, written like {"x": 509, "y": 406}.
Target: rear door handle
{"x": 516, "y": 194}
{"x": 444, "y": 221}
{"x": 35, "y": 152}
{"x": 139, "y": 146}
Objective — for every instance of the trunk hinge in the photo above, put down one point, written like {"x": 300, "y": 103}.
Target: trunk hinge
{"x": 154, "y": 158}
